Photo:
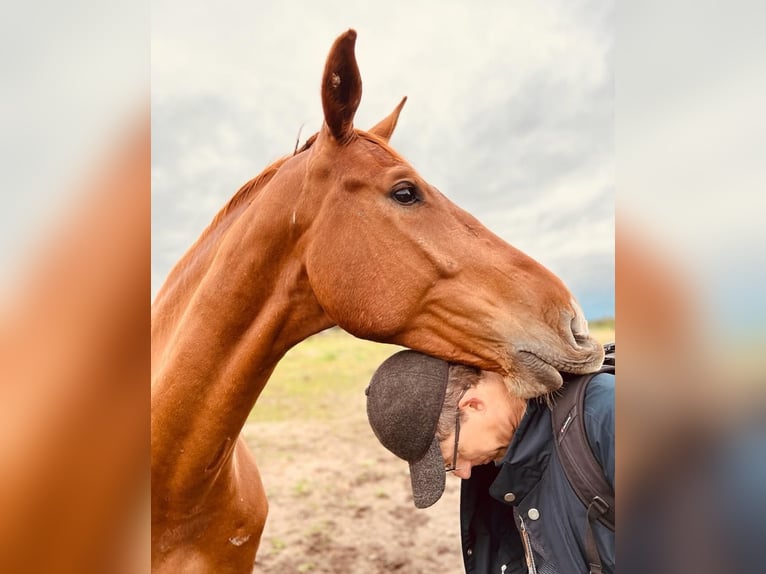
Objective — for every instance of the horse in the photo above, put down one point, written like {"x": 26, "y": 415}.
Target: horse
{"x": 343, "y": 232}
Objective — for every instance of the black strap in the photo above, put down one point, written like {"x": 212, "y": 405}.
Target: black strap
{"x": 580, "y": 465}
{"x": 596, "y": 509}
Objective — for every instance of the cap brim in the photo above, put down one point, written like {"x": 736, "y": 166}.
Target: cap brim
{"x": 428, "y": 477}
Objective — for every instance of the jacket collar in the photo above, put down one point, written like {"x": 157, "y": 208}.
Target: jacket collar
{"x": 527, "y": 456}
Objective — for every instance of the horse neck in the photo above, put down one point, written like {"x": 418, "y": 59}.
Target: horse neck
{"x": 234, "y": 305}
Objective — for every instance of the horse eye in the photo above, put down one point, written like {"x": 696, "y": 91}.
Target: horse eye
{"x": 405, "y": 195}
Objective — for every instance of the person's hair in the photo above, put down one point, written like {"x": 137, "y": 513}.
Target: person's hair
{"x": 460, "y": 377}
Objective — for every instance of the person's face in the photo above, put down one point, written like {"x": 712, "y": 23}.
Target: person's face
{"x": 486, "y": 427}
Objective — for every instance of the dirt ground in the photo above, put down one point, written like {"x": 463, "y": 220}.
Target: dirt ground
{"x": 339, "y": 502}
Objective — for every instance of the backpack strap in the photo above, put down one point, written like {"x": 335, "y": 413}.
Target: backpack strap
{"x": 580, "y": 465}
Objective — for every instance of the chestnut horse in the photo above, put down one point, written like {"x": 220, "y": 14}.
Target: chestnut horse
{"x": 343, "y": 232}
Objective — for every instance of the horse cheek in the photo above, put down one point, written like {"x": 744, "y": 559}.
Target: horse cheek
{"x": 354, "y": 296}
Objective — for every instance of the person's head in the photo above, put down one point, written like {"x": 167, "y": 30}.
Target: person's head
{"x": 418, "y": 405}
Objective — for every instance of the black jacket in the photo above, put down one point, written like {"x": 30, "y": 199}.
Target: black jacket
{"x": 526, "y": 502}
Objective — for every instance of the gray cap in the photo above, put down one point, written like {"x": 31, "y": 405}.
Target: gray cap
{"x": 404, "y": 400}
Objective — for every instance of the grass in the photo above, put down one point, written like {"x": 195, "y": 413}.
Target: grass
{"x": 301, "y": 488}
{"x": 318, "y": 378}
{"x": 602, "y": 329}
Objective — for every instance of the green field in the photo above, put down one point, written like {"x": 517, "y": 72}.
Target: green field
{"x": 316, "y": 379}
{"x": 602, "y": 329}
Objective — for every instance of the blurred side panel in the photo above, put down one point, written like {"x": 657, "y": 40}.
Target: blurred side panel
{"x": 690, "y": 278}
{"x": 74, "y": 287}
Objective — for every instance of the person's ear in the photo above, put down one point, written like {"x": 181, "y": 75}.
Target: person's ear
{"x": 473, "y": 403}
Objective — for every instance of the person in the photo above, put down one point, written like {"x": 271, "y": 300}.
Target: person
{"x": 517, "y": 510}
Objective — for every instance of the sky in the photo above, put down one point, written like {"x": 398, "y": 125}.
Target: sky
{"x": 509, "y": 114}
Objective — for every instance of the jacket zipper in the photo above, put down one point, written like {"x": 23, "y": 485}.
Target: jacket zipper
{"x": 531, "y": 567}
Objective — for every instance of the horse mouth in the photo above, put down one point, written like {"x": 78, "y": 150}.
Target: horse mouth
{"x": 535, "y": 376}
{"x": 539, "y": 360}
{"x": 538, "y": 373}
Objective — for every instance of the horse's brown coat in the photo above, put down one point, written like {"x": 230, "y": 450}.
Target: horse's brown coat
{"x": 317, "y": 240}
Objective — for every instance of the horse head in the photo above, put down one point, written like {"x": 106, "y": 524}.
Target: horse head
{"x": 391, "y": 259}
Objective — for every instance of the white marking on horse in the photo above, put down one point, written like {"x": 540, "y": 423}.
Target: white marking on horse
{"x": 239, "y": 540}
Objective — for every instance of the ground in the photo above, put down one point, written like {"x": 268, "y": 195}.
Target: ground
{"x": 339, "y": 502}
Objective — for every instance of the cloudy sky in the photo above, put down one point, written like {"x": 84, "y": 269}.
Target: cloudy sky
{"x": 509, "y": 113}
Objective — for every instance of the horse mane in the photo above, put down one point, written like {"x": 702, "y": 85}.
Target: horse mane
{"x": 253, "y": 186}
{"x": 247, "y": 190}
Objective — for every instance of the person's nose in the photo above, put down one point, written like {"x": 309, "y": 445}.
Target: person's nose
{"x": 464, "y": 470}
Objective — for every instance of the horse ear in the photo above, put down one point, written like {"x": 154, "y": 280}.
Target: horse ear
{"x": 385, "y": 127}
{"x": 341, "y": 87}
